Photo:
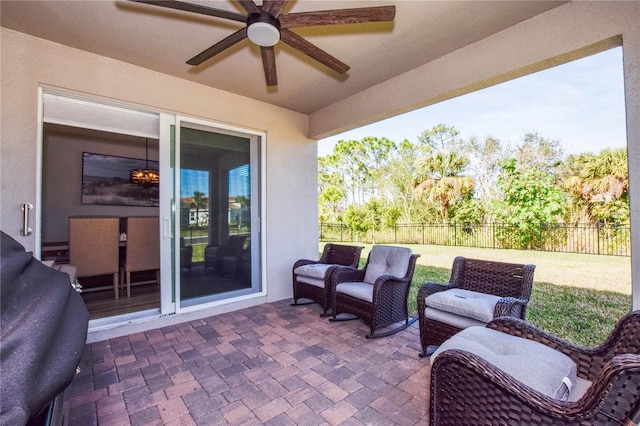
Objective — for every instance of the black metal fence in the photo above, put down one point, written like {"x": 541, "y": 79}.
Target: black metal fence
{"x": 585, "y": 238}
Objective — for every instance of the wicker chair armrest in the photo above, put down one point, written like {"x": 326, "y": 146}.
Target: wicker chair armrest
{"x": 510, "y": 306}
{"x": 388, "y": 284}
{"x": 382, "y": 279}
{"x": 343, "y": 274}
{"x": 459, "y": 375}
{"x": 427, "y": 289}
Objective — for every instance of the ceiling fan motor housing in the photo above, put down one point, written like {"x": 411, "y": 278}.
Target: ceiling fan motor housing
{"x": 263, "y": 29}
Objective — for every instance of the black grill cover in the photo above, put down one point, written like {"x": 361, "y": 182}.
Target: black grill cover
{"x": 43, "y": 330}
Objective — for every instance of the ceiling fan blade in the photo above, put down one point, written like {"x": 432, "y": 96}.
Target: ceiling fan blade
{"x": 274, "y": 7}
{"x": 297, "y": 42}
{"x": 219, "y": 47}
{"x": 249, "y": 6}
{"x": 195, "y": 8}
{"x": 338, "y": 16}
{"x": 269, "y": 64}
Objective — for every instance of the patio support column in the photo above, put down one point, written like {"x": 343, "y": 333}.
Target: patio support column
{"x": 631, "y": 58}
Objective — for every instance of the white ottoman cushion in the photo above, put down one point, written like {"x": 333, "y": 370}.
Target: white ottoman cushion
{"x": 538, "y": 366}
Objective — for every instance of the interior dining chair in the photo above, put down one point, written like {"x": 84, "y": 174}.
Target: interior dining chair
{"x": 94, "y": 247}
{"x": 143, "y": 247}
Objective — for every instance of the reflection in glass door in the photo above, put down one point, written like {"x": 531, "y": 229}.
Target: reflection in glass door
{"x": 217, "y": 212}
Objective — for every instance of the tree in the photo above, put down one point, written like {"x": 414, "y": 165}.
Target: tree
{"x": 529, "y": 196}
{"x": 244, "y": 209}
{"x": 440, "y": 137}
{"x": 200, "y": 201}
{"x": 598, "y": 186}
{"x": 356, "y": 220}
{"x": 539, "y": 152}
{"x": 439, "y": 180}
{"x": 484, "y": 159}
{"x": 368, "y": 217}
{"x": 399, "y": 184}
{"x": 361, "y": 164}
{"x": 331, "y": 188}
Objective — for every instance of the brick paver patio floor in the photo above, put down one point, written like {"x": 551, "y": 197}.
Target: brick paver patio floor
{"x": 272, "y": 364}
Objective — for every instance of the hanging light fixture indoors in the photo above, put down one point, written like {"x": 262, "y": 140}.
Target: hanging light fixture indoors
{"x": 146, "y": 175}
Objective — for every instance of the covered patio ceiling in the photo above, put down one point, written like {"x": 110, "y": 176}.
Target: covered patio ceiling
{"x": 433, "y": 51}
{"x": 164, "y": 39}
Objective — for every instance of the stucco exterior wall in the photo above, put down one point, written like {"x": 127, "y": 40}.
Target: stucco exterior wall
{"x": 569, "y": 32}
{"x": 290, "y": 160}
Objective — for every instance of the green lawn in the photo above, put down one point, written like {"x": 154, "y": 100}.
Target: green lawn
{"x": 575, "y": 296}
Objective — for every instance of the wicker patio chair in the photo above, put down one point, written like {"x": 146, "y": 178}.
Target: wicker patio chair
{"x": 478, "y": 291}
{"x": 466, "y": 389}
{"x": 227, "y": 258}
{"x": 379, "y": 292}
{"x": 186, "y": 255}
{"x": 311, "y": 278}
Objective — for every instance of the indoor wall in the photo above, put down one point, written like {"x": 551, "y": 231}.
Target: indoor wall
{"x": 62, "y": 176}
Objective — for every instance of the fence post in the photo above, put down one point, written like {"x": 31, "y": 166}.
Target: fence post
{"x": 455, "y": 234}
{"x": 598, "y": 236}
{"x": 540, "y": 236}
{"x": 493, "y": 233}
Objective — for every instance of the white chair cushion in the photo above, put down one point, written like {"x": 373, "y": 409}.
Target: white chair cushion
{"x": 313, "y": 270}
{"x": 359, "y": 290}
{"x": 466, "y": 303}
{"x": 454, "y": 320}
{"x": 387, "y": 260}
{"x": 538, "y": 366}
{"x": 308, "y": 280}
{"x": 580, "y": 387}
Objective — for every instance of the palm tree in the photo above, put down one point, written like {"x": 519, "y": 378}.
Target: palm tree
{"x": 200, "y": 201}
{"x": 599, "y": 183}
{"x": 439, "y": 180}
{"x": 244, "y": 203}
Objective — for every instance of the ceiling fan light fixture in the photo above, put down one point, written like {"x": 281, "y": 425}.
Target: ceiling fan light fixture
{"x": 263, "y": 34}
{"x": 263, "y": 30}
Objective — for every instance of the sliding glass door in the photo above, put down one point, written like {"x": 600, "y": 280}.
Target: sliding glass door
{"x": 217, "y": 213}
{"x": 206, "y": 204}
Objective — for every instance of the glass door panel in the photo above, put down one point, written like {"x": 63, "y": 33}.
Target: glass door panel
{"x": 216, "y": 212}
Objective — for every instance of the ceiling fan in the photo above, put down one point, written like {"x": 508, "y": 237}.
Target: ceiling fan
{"x": 266, "y": 26}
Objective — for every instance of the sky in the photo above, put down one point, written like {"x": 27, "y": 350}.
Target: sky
{"x": 580, "y": 104}
{"x": 198, "y": 180}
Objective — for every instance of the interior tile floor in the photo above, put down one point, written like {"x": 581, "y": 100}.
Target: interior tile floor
{"x": 273, "y": 364}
